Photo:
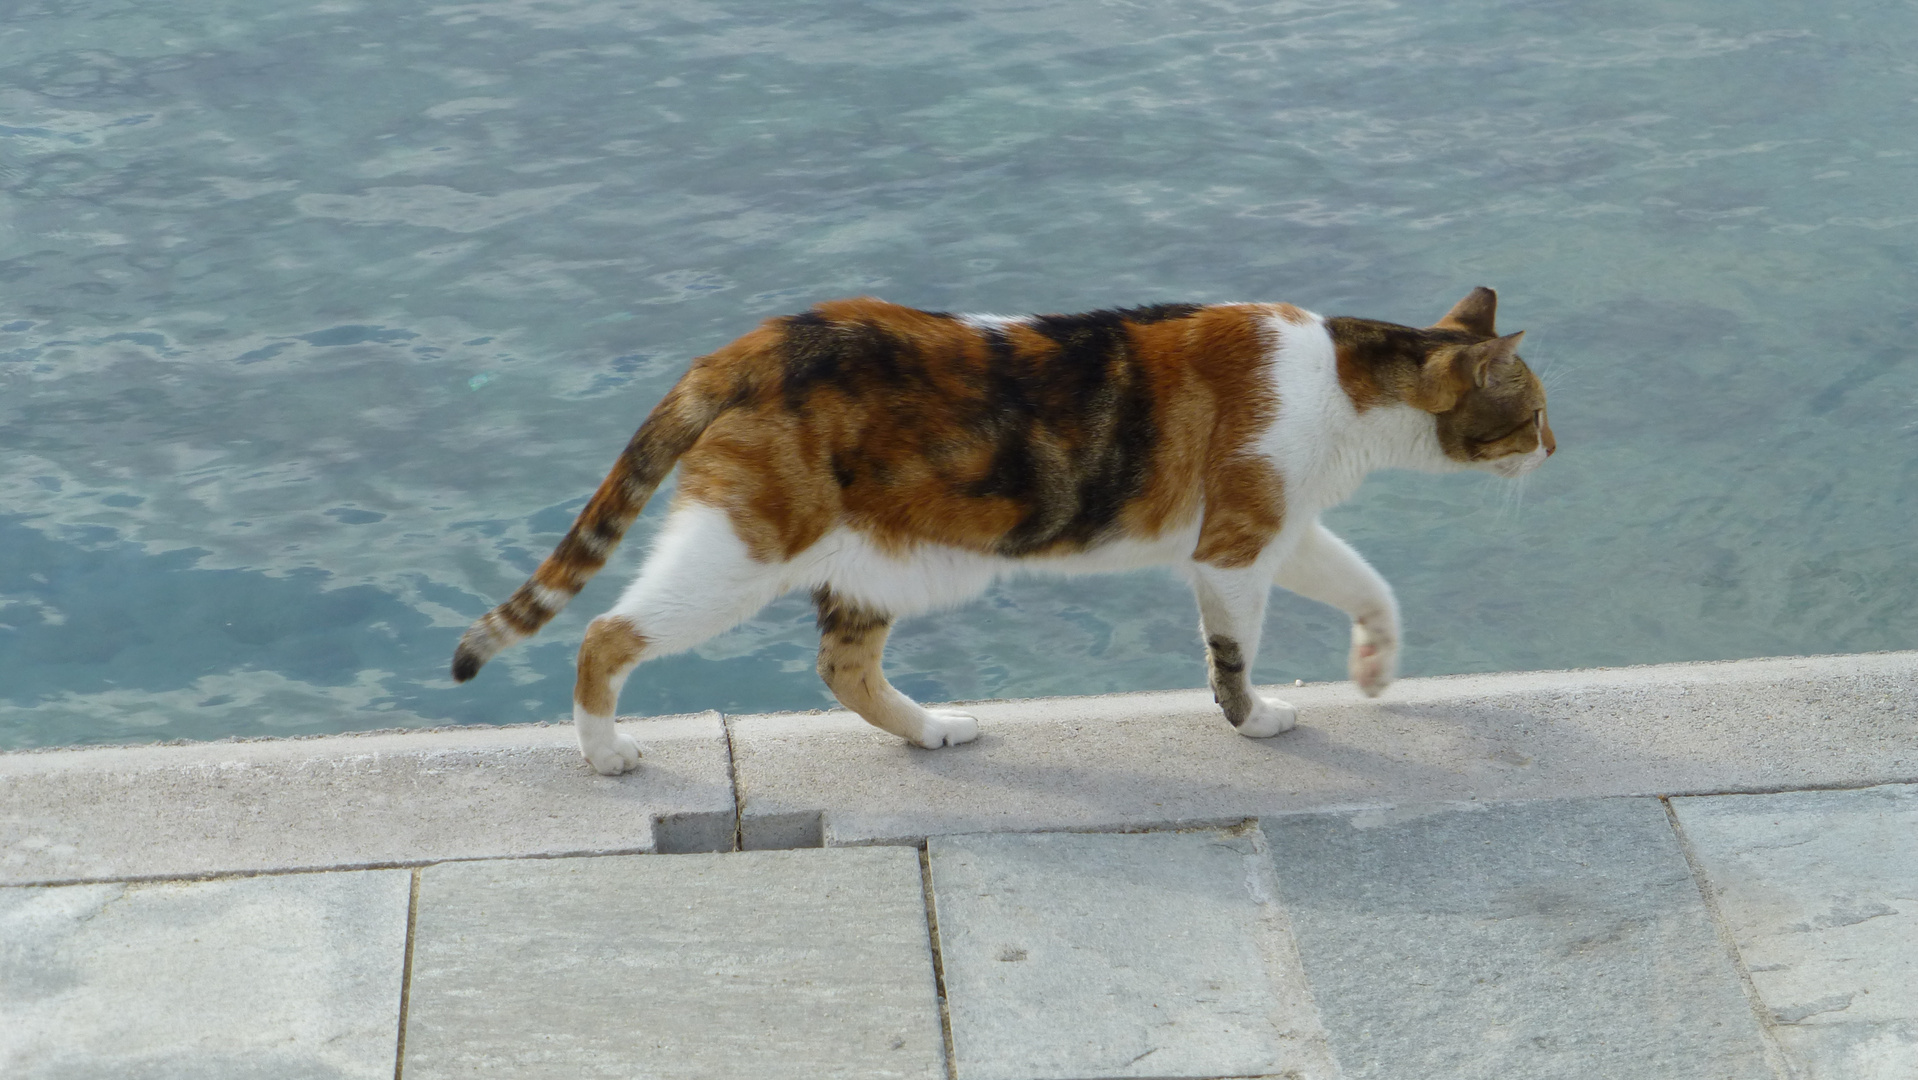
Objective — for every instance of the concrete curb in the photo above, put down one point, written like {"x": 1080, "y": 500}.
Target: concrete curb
{"x": 1123, "y": 761}
{"x": 148, "y": 812}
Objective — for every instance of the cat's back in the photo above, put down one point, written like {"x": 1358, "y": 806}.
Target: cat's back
{"x": 1048, "y": 367}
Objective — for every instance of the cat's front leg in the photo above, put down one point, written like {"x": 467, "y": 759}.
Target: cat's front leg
{"x": 1231, "y": 617}
{"x": 1325, "y": 568}
{"x": 1374, "y": 660}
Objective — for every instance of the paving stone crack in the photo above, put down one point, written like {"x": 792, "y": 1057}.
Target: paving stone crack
{"x": 732, "y": 781}
{"x": 1768, "y": 1036}
{"x": 938, "y": 959}
{"x": 406, "y": 975}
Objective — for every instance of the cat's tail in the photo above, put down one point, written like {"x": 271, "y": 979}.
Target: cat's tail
{"x": 671, "y": 429}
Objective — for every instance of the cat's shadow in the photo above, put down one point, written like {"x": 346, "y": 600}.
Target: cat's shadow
{"x": 1190, "y": 766}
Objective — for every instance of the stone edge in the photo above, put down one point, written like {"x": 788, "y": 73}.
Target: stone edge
{"x": 456, "y": 739}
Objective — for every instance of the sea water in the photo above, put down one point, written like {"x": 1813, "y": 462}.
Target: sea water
{"x": 319, "y": 321}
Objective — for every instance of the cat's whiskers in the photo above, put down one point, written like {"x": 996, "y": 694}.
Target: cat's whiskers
{"x": 1512, "y": 497}
{"x": 1557, "y": 375}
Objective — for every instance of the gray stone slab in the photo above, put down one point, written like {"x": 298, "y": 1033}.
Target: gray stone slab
{"x": 1069, "y": 956}
{"x": 1820, "y": 892}
{"x": 276, "y": 978}
{"x": 1537, "y": 940}
{"x": 356, "y": 800}
{"x": 1168, "y": 759}
{"x": 777, "y": 963}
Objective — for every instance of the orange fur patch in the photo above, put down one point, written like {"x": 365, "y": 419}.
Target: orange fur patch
{"x": 1360, "y": 380}
{"x": 1244, "y": 494}
{"x": 612, "y": 646}
{"x": 1293, "y": 315}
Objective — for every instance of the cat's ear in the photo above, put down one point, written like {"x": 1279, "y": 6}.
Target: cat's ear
{"x": 1450, "y": 372}
{"x": 1473, "y": 314}
{"x": 1486, "y": 355}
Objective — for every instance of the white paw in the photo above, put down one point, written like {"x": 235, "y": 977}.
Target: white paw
{"x": 622, "y": 755}
{"x": 1268, "y": 718}
{"x": 1374, "y": 662}
{"x": 947, "y": 727}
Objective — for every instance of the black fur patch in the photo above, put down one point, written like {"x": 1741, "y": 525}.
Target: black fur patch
{"x": 1226, "y": 656}
{"x": 1230, "y": 687}
{"x": 1158, "y": 313}
{"x": 1385, "y": 344}
{"x": 838, "y": 617}
{"x": 1090, "y": 400}
{"x": 843, "y": 356}
{"x": 842, "y": 471}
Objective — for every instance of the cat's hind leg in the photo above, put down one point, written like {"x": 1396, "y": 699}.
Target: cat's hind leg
{"x": 612, "y": 649}
{"x": 852, "y": 640}
{"x": 698, "y": 581}
{"x": 1325, "y": 568}
{"x": 1232, "y": 617}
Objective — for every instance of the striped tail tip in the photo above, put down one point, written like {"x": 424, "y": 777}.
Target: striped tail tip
{"x": 466, "y": 663}
{"x": 479, "y": 644}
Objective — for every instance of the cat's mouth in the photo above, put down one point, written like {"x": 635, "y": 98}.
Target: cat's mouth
{"x": 1516, "y": 465}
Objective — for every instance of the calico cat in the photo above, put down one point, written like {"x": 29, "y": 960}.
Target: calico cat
{"x": 895, "y": 461}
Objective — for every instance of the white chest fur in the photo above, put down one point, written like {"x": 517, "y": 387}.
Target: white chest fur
{"x": 1320, "y": 442}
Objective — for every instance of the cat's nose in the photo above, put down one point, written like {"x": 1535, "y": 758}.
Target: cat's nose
{"x": 1545, "y": 435}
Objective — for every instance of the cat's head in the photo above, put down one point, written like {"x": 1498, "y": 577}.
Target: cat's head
{"x": 1490, "y": 407}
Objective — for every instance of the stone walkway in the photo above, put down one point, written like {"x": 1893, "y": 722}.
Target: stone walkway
{"x": 1727, "y": 936}
{"x": 1764, "y": 935}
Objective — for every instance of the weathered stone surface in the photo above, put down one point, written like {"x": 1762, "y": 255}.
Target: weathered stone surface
{"x": 1110, "y": 955}
{"x": 1538, "y": 940}
{"x": 1820, "y": 890}
{"x": 355, "y": 800}
{"x": 777, "y": 963}
{"x": 1168, "y": 759}
{"x": 295, "y": 977}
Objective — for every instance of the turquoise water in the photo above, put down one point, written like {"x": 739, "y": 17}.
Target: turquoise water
{"x": 320, "y": 321}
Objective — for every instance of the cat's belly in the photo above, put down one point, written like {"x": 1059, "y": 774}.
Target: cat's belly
{"x": 933, "y": 576}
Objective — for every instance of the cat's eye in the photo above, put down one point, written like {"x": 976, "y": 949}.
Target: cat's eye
{"x": 1530, "y": 421}
{"x": 1507, "y": 434}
